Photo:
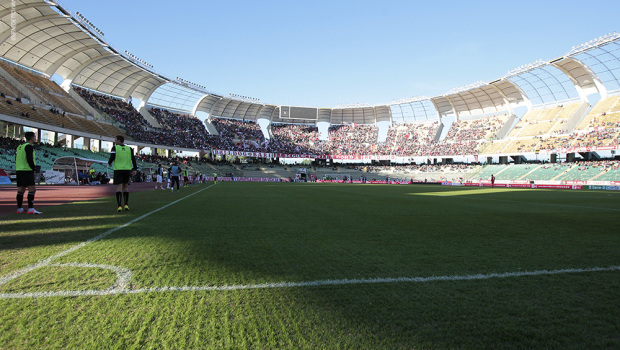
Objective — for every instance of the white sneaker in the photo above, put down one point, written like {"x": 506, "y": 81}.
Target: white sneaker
{"x": 33, "y": 211}
{"x": 20, "y": 211}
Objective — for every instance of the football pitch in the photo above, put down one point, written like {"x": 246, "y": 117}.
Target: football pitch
{"x": 316, "y": 266}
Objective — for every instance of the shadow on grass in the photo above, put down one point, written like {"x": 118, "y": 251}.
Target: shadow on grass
{"x": 250, "y": 237}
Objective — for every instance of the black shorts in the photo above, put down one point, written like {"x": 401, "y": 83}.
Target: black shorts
{"x": 121, "y": 176}
{"x": 185, "y": 178}
{"x": 25, "y": 178}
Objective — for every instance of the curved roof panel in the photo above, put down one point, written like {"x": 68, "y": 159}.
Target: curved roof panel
{"x": 416, "y": 110}
{"x": 510, "y": 91}
{"x": 545, "y": 84}
{"x": 583, "y": 77}
{"x": 206, "y": 103}
{"x": 50, "y": 39}
{"x": 482, "y": 100}
{"x": 175, "y": 96}
{"x": 604, "y": 61}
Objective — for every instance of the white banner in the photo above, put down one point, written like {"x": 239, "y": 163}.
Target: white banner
{"x": 313, "y": 156}
{"x": 54, "y": 177}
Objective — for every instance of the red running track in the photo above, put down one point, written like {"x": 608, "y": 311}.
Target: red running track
{"x": 58, "y": 194}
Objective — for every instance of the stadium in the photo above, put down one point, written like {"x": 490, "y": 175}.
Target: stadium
{"x": 352, "y": 226}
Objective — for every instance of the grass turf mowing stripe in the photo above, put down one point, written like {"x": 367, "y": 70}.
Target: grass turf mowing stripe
{"x": 114, "y": 291}
{"x": 48, "y": 261}
{"x": 549, "y": 204}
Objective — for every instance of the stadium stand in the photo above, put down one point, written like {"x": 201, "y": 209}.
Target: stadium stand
{"x": 179, "y": 129}
{"x": 409, "y": 139}
{"x": 539, "y": 122}
{"x": 294, "y": 138}
{"x": 37, "y": 101}
{"x": 44, "y": 89}
{"x": 514, "y": 171}
{"x": 6, "y": 89}
{"x": 352, "y": 139}
{"x": 475, "y": 129}
{"x": 605, "y": 114}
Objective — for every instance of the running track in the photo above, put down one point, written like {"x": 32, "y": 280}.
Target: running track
{"x": 58, "y": 194}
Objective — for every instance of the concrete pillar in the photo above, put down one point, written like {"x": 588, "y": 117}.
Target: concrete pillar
{"x": 86, "y": 144}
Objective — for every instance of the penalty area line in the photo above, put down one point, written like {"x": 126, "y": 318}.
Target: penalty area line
{"x": 46, "y": 262}
{"x": 307, "y": 284}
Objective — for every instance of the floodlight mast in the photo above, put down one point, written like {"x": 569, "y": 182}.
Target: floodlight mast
{"x": 241, "y": 98}
{"x": 354, "y": 105}
{"x": 408, "y": 100}
{"x": 525, "y": 68}
{"x": 468, "y": 87}
{"x": 138, "y": 60}
{"x": 594, "y": 43}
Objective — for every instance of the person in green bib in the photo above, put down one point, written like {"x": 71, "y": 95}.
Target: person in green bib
{"x": 124, "y": 167}
{"x": 25, "y": 164}
{"x": 185, "y": 177}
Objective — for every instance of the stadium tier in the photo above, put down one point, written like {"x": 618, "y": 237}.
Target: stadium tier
{"x": 559, "y": 107}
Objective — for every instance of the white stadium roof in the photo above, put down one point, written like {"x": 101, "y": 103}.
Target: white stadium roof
{"x": 46, "y": 37}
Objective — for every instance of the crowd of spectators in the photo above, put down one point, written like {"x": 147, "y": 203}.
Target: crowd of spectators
{"x": 236, "y": 135}
{"x": 294, "y": 138}
{"x": 604, "y": 120}
{"x": 130, "y": 120}
{"x": 465, "y": 137}
{"x": 474, "y": 130}
{"x": 593, "y": 138}
{"x": 601, "y": 165}
{"x": 179, "y": 129}
{"x": 176, "y": 130}
{"x": 238, "y": 129}
{"x": 596, "y": 138}
{"x": 8, "y": 145}
{"x": 411, "y": 168}
{"x": 402, "y": 140}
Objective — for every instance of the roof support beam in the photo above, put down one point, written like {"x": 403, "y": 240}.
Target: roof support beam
{"x": 510, "y": 109}
{"x": 107, "y": 76}
{"x": 583, "y": 92}
{"x": 136, "y": 85}
{"x": 120, "y": 81}
{"x": 7, "y": 34}
{"x": 144, "y": 98}
{"x": 79, "y": 69}
{"x": 54, "y": 67}
{"x": 18, "y": 8}
{"x": 195, "y": 109}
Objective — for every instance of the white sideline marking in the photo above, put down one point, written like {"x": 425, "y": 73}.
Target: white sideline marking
{"x": 75, "y": 293}
{"x": 46, "y": 262}
{"x": 123, "y": 275}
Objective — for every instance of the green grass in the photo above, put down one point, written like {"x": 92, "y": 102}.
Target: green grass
{"x": 236, "y": 234}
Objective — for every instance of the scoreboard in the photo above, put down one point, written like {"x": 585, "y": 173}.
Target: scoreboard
{"x": 299, "y": 113}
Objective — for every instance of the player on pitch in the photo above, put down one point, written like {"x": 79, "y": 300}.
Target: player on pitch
{"x": 25, "y": 165}
{"x": 124, "y": 167}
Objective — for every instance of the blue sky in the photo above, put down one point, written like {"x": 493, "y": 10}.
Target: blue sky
{"x": 324, "y": 53}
